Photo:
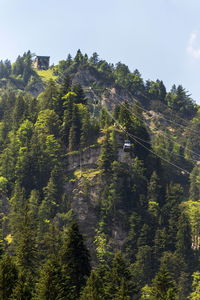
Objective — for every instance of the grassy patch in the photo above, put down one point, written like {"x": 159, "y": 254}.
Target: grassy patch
{"x": 46, "y": 75}
{"x": 89, "y": 174}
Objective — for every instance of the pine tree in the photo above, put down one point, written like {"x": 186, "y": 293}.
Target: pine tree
{"x": 75, "y": 130}
{"x": 78, "y": 90}
{"x": 142, "y": 269}
{"x": 72, "y": 139}
{"x": 106, "y": 157}
{"x": 194, "y": 184}
{"x": 24, "y": 236}
{"x": 49, "y": 98}
{"x": 74, "y": 259}
{"x": 118, "y": 279}
{"x": 50, "y": 284}
{"x": 78, "y": 57}
{"x": 52, "y": 195}
{"x": 65, "y": 86}
{"x": 8, "y": 277}
{"x": 184, "y": 240}
{"x": 23, "y": 288}
{"x": 94, "y": 59}
{"x": 94, "y": 289}
{"x": 171, "y": 212}
{"x": 195, "y": 286}
{"x": 18, "y": 112}
{"x": 85, "y": 131}
{"x": 154, "y": 189}
{"x": 163, "y": 288}
{"x": 122, "y": 293}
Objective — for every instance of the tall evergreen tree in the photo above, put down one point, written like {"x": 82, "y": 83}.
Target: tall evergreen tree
{"x": 94, "y": 289}
{"x": 106, "y": 157}
{"x": 75, "y": 260}
{"x": 118, "y": 279}
{"x": 8, "y": 277}
{"x": 50, "y": 285}
{"x": 163, "y": 287}
{"x": 184, "y": 240}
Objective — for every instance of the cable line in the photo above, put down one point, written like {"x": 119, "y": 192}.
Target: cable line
{"x": 136, "y": 101}
{"x": 171, "y": 121}
{"x": 162, "y": 133}
{"x": 132, "y": 136}
{"x": 168, "y": 120}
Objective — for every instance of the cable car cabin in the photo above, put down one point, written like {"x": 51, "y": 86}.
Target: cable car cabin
{"x": 127, "y": 146}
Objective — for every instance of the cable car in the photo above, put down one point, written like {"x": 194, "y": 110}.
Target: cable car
{"x": 127, "y": 146}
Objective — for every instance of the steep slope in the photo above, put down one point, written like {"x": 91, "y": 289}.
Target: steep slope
{"x": 62, "y": 161}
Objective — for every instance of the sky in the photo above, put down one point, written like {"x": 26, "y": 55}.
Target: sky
{"x": 160, "y": 38}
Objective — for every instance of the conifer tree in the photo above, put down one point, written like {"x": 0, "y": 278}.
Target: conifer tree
{"x": 24, "y": 236}
{"x": 106, "y": 157}
{"x": 79, "y": 57}
{"x": 72, "y": 139}
{"x": 195, "y": 286}
{"x": 19, "y": 111}
{"x": 8, "y": 277}
{"x": 142, "y": 269}
{"x": 118, "y": 279}
{"x": 154, "y": 189}
{"x": 78, "y": 90}
{"x": 122, "y": 293}
{"x": 75, "y": 260}
{"x": 163, "y": 287}
{"x": 52, "y": 195}
{"x": 171, "y": 212}
{"x": 50, "y": 285}
{"x": 194, "y": 184}
{"x": 184, "y": 240}
{"x": 49, "y": 98}
{"x": 65, "y": 86}
{"x": 23, "y": 289}
{"x": 75, "y": 130}
{"x": 94, "y": 289}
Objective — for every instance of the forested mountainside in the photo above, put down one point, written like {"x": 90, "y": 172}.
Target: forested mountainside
{"x": 80, "y": 217}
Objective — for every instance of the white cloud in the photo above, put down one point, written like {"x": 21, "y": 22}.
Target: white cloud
{"x": 193, "y": 49}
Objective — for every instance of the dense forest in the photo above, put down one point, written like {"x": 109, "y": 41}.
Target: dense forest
{"x": 82, "y": 219}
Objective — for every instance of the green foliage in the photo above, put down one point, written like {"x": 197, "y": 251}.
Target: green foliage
{"x": 194, "y": 184}
{"x": 5, "y": 69}
{"x": 156, "y": 90}
{"x": 75, "y": 260}
{"x": 107, "y": 156}
{"x": 195, "y": 286}
{"x": 103, "y": 249}
{"x": 179, "y": 100}
{"x": 22, "y": 68}
{"x": 118, "y": 279}
{"x": 47, "y": 74}
{"x": 192, "y": 208}
{"x": 184, "y": 239}
{"x": 8, "y": 277}
{"x": 51, "y": 174}
{"x": 94, "y": 289}
{"x": 162, "y": 288}
{"x": 50, "y": 285}
{"x": 142, "y": 269}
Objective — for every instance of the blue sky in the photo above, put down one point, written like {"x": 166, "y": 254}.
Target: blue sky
{"x": 161, "y": 38}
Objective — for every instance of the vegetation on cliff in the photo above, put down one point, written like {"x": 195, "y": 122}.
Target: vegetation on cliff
{"x": 76, "y": 224}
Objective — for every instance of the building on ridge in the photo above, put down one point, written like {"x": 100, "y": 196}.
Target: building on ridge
{"x": 41, "y": 62}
